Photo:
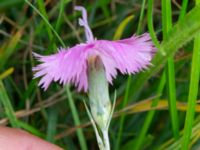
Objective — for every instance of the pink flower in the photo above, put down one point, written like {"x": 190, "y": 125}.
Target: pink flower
{"x": 129, "y": 56}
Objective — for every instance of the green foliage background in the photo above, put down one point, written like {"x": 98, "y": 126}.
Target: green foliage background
{"x": 155, "y": 109}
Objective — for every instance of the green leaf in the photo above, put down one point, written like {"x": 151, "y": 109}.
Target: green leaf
{"x": 4, "y": 99}
{"x": 184, "y": 31}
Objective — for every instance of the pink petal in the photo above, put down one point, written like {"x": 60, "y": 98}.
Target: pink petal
{"x": 66, "y": 66}
{"x": 128, "y": 56}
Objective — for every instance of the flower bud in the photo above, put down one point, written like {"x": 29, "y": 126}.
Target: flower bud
{"x": 100, "y": 104}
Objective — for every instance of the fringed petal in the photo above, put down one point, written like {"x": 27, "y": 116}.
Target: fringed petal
{"x": 128, "y": 56}
{"x": 66, "y": 66}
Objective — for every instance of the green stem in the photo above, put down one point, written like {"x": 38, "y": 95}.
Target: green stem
{"x": 125, "y": 101}
{"x": 150, "y": 114}
{"x": 76, "y": 119}
{"x": 4, "y": 99}
{"x": 170, "y": 73}
{"x": 47, "y": 22}
{"x": 193, "y": 92}
{"x": 183, "y": 9}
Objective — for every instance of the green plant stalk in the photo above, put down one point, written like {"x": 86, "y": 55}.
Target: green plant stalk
{"x": 125, "y": 101}
{"x": 170, "y": 73}
{"x": 52, "y": 124}
{"x": 141, "y": 17}
{"x": 60, "y": 16}
{"x": 184, "y": 31}
{"x": 150, "y": 24}
{"x": 122, "y": 118}
{"x": 193, "y": 92}
{"x": 47, "y": 22}
{"x": 61, "y": 10}
{"x": 183, "y": 9}
{"x": 176, "y": 145}
{"x": 30, "y": 129}
{"x": 150, "y": 114}
{"x": 76, "y": 119}
{"x": 42, "y": 9}
{"x": 4, "y": 99}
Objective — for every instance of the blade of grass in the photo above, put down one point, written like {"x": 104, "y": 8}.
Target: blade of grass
{"x": 6, "y": 73}
{"x": 76, "y": 119}
{"x": 9, "y": 48}
{"x": 30, "y": 129}
{"x": 170, "y": 73}
{"x": 141, "y": 17}
{"x": 193, "y": 91}
{"x": 4, "y": 99}
{"x": 151, "y": 27}
{"x": 127, "y": 90}
{"x": 47, "y": 22}
{"x": 150, "y": 114}
{"x": 42, "y": 9}
{"x": 52, "y": 124}
{"x": 121, "y": 27}
{"x": 183, "y": 9}
{"x": 184, "y": 31}
{"x": 61, "y": 12}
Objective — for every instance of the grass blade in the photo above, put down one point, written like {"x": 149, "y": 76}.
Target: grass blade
{"x": 170, "y": 73}
{"x": 184, "y": 31}
{"x": 52, "y": 124}
{"x": 47, "y": 22}
{"x": 118, "y": 35}
{"x": 183, "y": 9}
{"x": 76, "y": 119}
{"x": 4, "y": 99}
{"x": 193, "y": 91}
{"x": 30, "y": 129}
{"x": 44, "y": 14}
{"x": 6, "y": 73}
{"x": 9, "y": 48}
{"x": 150, "y": 114}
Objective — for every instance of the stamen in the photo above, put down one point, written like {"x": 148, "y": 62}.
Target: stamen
{"x": 83, "y": 22}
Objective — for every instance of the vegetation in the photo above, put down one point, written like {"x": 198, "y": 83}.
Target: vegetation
{"x": 154, "y": 109}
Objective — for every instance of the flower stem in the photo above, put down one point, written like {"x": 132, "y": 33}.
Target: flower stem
{"x": 106, "y": 140}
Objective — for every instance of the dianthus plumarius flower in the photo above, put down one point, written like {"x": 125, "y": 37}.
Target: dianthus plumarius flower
{"x": 91, "y": 65}
{"x": 70, "y": 65}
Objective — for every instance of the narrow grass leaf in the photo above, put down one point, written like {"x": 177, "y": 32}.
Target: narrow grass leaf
{"x": 47, "y": 22}
{"x": 4, "y": 99}
{"x": 184, "y": 31}
{"x": 117, "y": 36}
{"x": 193, "y": 91}
{"x": 52, "y": 124}
{"x": 183, "y": 9}
{"x": 170, "y": 71}
{"x": 8, "y": 48}
{"x": 151, "y": 113}
{"x": 121, "y": 27}
{"x": 76, "y": 119}
{"x": 6, "y": 73}
{"x": 30, "y": 129}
